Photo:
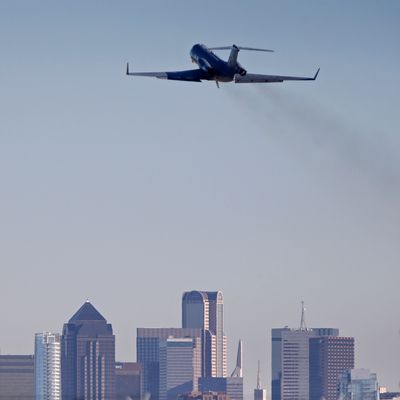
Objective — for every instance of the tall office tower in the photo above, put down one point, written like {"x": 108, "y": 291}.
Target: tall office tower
{"x": 205, "y": 310}
{"x": 180, "y": 366}
{"x": 47, "y": 366}
{"x": 148, "y": 343}
{"x": 259, "y": 393}
{"x": 330, "y": 357}
{"x": 87, "y": 356}
{"x": 17, "y": 377}
{"x": 358, "y": 384}
{"x": 128, "y": 380}
{"x": 290, "y": 361}
{"x": 295, "y": 365}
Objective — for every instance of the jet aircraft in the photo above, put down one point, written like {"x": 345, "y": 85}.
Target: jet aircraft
{"x": 213, "y": 68}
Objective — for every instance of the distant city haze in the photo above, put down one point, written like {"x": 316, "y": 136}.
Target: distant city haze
{"x": 129, "y": 192}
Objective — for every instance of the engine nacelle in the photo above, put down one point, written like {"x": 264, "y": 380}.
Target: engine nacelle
{"x": 240, "y": 70}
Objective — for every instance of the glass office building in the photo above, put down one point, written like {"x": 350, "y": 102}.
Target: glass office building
{"x": 47, "y": 366}
{"x": 87, "y": 356}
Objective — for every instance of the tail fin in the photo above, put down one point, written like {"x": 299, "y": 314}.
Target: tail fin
{"x": 232, "y": 61}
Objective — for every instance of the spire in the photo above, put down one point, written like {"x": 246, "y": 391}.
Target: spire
{"x": 303, "y": 326}
{"x": 238, "y": 371}
{"x": 258, "y": 377}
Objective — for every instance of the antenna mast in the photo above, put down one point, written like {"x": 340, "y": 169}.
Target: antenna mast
{"x": 303, "y": 326}
{"x": 258, "y": 376}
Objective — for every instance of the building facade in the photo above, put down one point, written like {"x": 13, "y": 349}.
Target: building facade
{"x": 149, "y": 341}
{"x": 203, "y": 396}
{"x": 47, "y": 366}
{"x": 205, "y": 310}
{"x": 358, "y": 384}
{"x": 330, "y": 357}
{"x": 231, "y": 386}
{"x": 17, "y": 377}
{"x": 180, "y": 366}
{"x": 87, "y": 356}
{"x": 290, "y": 361}
{"x": 128, "y": 380}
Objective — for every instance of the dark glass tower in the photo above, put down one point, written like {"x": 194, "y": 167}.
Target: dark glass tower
{"x": 87, "y": 356}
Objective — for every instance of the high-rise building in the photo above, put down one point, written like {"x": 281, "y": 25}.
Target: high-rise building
{"x": 205, "y": 310}
{"x": 290, "y": 361}
{"x": 180, "y": 366}
{"x": 330, "y": 357}
{"x": 17, "y": 377}
{"x": 128, "y": 380}
{"x": 87, "y": 356}
{"x": 358, "y": 384}
{"x": 47, "y": 366}
{"x": 295, "y": 364}
{"x": 148, "y": 344}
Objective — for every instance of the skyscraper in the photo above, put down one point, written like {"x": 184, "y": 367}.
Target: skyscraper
{"x": 180, "y": 366}
{"x": 358, "y": 384}
{"x": 205, "y": 310}
{"x": 47, "y": 366}
{"x": 87, "y": 356}
{"x": 330, "y": 357}
{"x": 148, "y": 344}
{"x": 290, "y": 361}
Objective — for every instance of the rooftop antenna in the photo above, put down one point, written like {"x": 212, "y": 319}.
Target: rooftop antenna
{"x": 303, "y": 326}
{"x": 258, "y": 377}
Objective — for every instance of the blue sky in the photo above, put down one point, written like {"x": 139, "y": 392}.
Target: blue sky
{"x": 130, "y": 191}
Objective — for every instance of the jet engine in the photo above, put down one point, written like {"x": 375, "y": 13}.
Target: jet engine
{"x": 240, "y": 70}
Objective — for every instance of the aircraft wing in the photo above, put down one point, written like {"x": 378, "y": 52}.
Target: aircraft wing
{"x": 192, "y": 75}
{"x": 258, "y": 78}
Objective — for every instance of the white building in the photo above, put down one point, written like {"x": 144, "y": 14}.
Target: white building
{"x": 47, "y": 366}
{"x": 295, "y": 364}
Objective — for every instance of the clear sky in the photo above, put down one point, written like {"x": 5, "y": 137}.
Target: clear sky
{"x": 129, "y": 191}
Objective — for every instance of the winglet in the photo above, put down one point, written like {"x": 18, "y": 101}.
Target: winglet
{"x": 316, "y": 74}
{"x": 127, "y": 68}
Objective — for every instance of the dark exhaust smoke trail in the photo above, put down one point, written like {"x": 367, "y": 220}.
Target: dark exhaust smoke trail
{"x": 314, "y": 131}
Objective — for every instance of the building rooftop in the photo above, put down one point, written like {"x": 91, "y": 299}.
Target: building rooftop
{"x": 87, "y": 313}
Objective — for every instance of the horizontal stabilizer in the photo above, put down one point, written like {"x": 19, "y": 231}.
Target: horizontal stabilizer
{"x": 240, "y": 48}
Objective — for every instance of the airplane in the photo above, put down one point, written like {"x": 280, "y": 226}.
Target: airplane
{"x": 213, "y": 68}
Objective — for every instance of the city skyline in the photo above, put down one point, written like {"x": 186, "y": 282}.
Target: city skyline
{"x": 130, "y": 191}
{"x": 329, "y": 354}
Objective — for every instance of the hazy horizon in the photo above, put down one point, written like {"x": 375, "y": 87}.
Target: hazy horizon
{"x": 129, "y": 191}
